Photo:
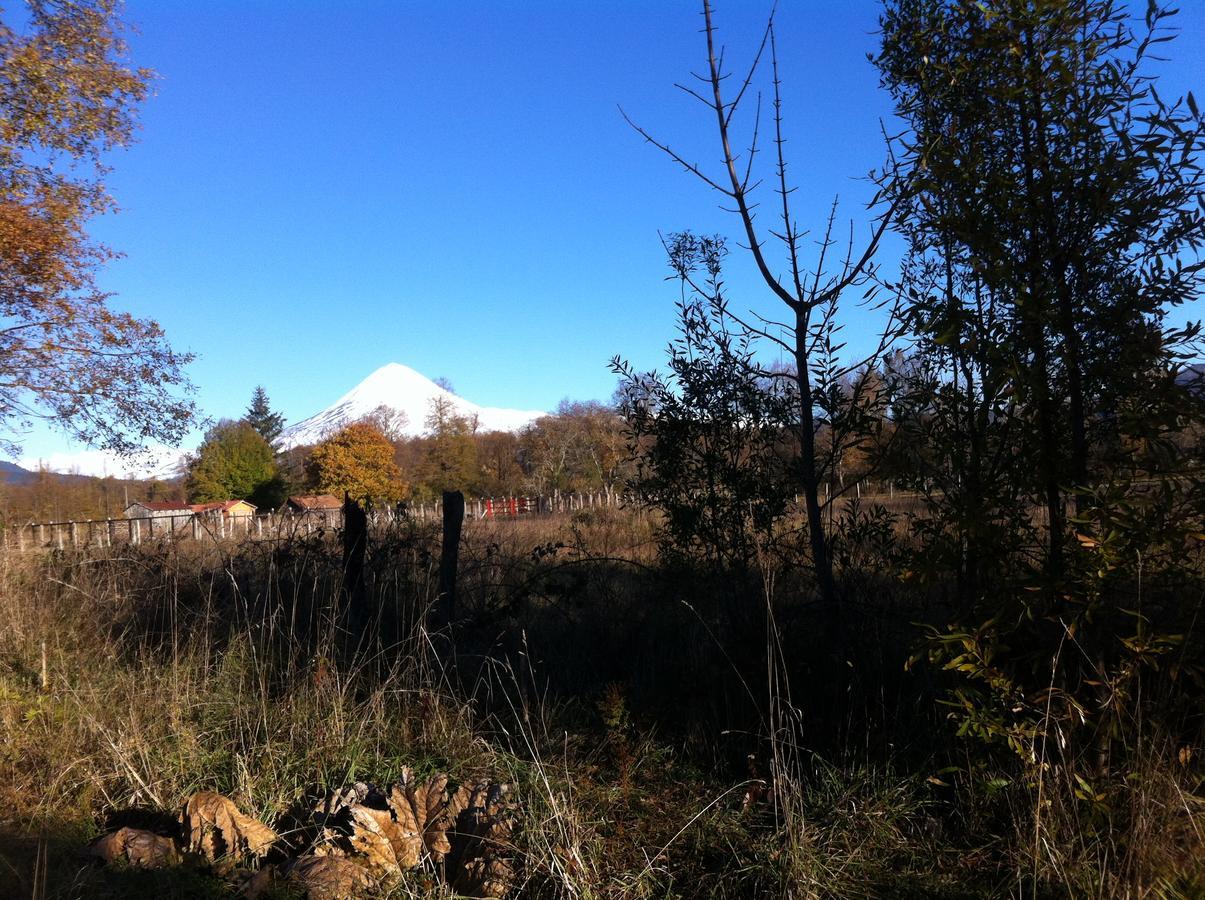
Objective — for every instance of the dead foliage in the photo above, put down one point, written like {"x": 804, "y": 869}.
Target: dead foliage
{"x": 135, "y": 847}
{"x": 412, "y": 822}
{"x": 215, "y": 830}
{"x": 317, "y": 877}
{"x": 365, "y": 837}
{"x": 479, "y": 864}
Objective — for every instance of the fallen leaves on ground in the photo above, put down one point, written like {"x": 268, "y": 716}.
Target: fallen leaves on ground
{"x": 392, "y": 831}
{"x": 318, "y": 877}
{"x": 216, "y": 830}
{"x": 480, "y": 865}
{"x": 135, "y": 847}
{"x": 366, "y": 838}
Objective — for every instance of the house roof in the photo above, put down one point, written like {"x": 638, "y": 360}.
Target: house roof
{"x": 315, "y": 501}
{"x": 177, "y": 506}
{"x": 223, "y": 505}
{"x": 162, "y": 505}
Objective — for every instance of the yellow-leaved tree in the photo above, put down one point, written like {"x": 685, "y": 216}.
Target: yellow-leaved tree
{"x": 359, "y": 460}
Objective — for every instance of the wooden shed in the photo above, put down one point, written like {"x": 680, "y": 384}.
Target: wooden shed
{"x": 164, "y": 515}
{"x": 304, "y": 503}
{"x": 226, "y": 509}
{"x": 325, "y": 507}
{"x": 167, "y": 515}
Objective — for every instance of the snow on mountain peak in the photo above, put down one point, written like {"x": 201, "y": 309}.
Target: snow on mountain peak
{"x": 408, "y": 395}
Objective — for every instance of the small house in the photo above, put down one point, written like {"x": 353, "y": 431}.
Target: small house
{"x": 325, "y": 507}
{"x": 164, "y": 515}
{"x": 225, "y": 509}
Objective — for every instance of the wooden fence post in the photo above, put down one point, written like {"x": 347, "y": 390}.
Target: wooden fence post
{"x": 355, "y": 544}
{"x": 449, "y": 558}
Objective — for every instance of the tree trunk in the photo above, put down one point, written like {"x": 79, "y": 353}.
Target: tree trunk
{"x": 817, "y": 539}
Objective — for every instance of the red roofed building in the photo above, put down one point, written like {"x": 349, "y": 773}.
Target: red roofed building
{"x": 325, "y": 507}
{"x": 165, "y": 514}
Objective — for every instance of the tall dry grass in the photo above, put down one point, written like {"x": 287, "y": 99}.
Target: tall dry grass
{"x": 669, "y": 732}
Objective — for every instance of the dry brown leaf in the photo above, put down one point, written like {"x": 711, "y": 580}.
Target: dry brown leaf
{"x": 423, "y": 808}
{"x": 136, "y": 847}
{"x": 459, "y": 802}
{"x": 429, "y": 801}
{"x": 337, "y": 801}
{"x": 479, "y": 864}
{"x": 260, "y": 883}
{"x": 405, "y": 831}
{"x": 391, "y": 833}
{"x": 330, "y": 878}
{"x": 217, "y": 831}
{"x": 389, "y": 846}
{"x": 485, "y": 877}
{"x": 361, "y": 822}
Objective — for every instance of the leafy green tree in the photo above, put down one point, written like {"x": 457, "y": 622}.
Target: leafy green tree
{"x": 234, "y": 462}
{"x": 68, "y": 95}
{"x": 1051, "y": 200}
{"x": 450, "y": 459}
{"x": 1052, "y": 207}
{"x": 358, "y": 460}
{"x": 260, "y": 416}
{"x": 707, "y": 438}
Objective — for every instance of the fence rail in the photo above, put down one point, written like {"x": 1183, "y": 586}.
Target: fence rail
{"x": 200, "y": 527}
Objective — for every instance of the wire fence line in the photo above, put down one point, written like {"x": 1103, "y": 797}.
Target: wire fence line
{"x": 189, "y": 526}
{"x": 217, "y": 526}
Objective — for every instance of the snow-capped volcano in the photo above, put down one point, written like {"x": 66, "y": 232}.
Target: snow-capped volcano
{"x": 402, "y": 390}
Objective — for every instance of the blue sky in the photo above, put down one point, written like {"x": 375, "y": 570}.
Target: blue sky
{"x": 319, "y": 189}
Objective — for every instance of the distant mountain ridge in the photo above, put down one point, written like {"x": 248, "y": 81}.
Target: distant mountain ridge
{"x": 401, "y": 390}
{"x": 11, "y": 473}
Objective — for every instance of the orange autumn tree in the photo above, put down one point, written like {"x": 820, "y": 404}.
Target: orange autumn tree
{"x": 358, "y": 459}
{"x": 67, "y": 96}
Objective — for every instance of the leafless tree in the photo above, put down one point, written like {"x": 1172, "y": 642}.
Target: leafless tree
{"x": 809, "y": 329}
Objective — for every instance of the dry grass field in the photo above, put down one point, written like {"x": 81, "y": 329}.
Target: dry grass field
{"x": 663, "y": 731}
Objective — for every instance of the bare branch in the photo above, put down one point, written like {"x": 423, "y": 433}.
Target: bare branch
{"x": 752, "y": 69}
{"x": 665, "y": 148}
{"x": 753, "y": 146}
{"x": 737, "y": 193}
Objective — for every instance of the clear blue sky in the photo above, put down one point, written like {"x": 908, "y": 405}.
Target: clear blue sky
{"x": 319, "y": 189}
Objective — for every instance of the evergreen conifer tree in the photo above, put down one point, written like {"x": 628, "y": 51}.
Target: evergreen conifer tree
{"x": 260, "y": 416}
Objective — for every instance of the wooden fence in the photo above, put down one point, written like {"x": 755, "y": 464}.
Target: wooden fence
{"x": 189, "y": 526}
